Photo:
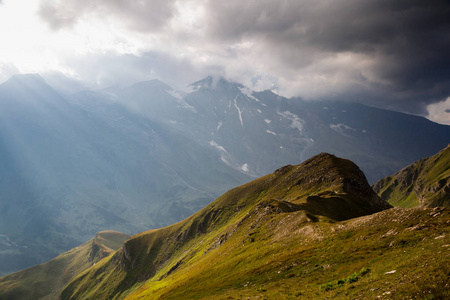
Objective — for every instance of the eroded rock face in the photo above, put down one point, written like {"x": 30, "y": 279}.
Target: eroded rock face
{"x": 338, "y": 188}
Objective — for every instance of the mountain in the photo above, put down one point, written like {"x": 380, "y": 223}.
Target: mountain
{"x": 46, "y": 281}
{"x": 256, "y": 132}
{"x": 147, "y": 156}
{"x": 424, "y": 183}
{"x": 378, "y": 140}
{"x": 74, "y": 166}
{"x": 265, "y": 210}
{"x": 279, "y": 237}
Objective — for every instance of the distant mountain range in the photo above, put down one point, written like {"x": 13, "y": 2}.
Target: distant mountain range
{"x": 148, "y": 156}
{"x": 314, "y": 231}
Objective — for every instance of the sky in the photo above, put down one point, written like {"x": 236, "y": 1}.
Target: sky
{"x": 383, "y": 53}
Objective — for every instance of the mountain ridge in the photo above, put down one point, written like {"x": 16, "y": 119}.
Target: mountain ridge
{"x": 425, "y": 182}
{"x": 147, "y": 254}
{"x": 46, "y": 281}
{"x": 123, "y": 159}
{"x": 264, "y": 238}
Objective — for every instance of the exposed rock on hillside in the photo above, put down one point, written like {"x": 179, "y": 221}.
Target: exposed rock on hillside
{"x": 267, "y": 209}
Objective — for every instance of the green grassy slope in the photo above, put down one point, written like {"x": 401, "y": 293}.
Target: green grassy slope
{"x": 46, "y": 281}
{"x": 394, "y": 254}
{"x": 423, "y": 183}
{"x": 270, "y": 214}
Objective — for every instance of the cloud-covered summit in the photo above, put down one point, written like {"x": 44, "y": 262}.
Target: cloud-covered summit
{"x": 391, "y": 54}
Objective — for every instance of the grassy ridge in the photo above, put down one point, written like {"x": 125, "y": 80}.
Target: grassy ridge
{"x": 423, "y": 183}
{"x": 312, "y": 231}
{"x": 322, "y": 188}
{"x": 363, "y": 258}
{"x": 46, "y": 281}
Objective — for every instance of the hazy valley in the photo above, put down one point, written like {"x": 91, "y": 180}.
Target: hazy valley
{"x": 124, "y": 159}
{"x": 147, "y": 156}
{"x": 224, "y": 149}
{"x": 315, "y": 230}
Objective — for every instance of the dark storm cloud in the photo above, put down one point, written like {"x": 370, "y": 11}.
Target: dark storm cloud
{"x": 391, "y": 54}
{"x": 406, "y": 41}
{"x": 139, "y": 15}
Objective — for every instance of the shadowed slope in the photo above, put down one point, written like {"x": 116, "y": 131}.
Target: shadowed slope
{"x": 323, "y": 185}
{"x": 46, "y": 281}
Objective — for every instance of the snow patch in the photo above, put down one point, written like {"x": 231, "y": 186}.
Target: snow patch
{"x": 224, "y": 157}
{"x": 217, "y": 146}
{"x": 259, "y": 110}
{"x": 175, "y": 94}
{"x": 271, "y": 132}
{"x": 228, "y": 159}
{"x": 180, "y": 100}
{"x": 239, "y": 111}
{"x": 191, "y": 88}
{"x": 341, "y": 128}
{"x": 219, "y": 125}
{"x": 297, "y": 123}
{"x": 267, "y": 121}
{"x": 247, "y": 92}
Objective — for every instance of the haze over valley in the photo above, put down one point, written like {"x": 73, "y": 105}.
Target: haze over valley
{"x": 148, "y": 156}
{"x": 143, "y": 140}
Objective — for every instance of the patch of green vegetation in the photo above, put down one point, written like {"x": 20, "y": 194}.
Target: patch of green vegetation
{"x": 340, "y": 283}
{"x": 287, "y": 265}
{"x": 296, "y": 265}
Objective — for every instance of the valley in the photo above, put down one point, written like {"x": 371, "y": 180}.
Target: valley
{"x": 124, "y": 160}
{"x": 314, "y": 230}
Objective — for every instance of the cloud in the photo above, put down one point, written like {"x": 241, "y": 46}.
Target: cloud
{"x": 440, "y": 112}
{"x": 7, "y": 70}
{"x": 103, "y": 70}
{"x": 57, "y": 17}
{"x": 138, "y": 15}
{"x": 394, "y": 51}
{"x": 391, "y": 54}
